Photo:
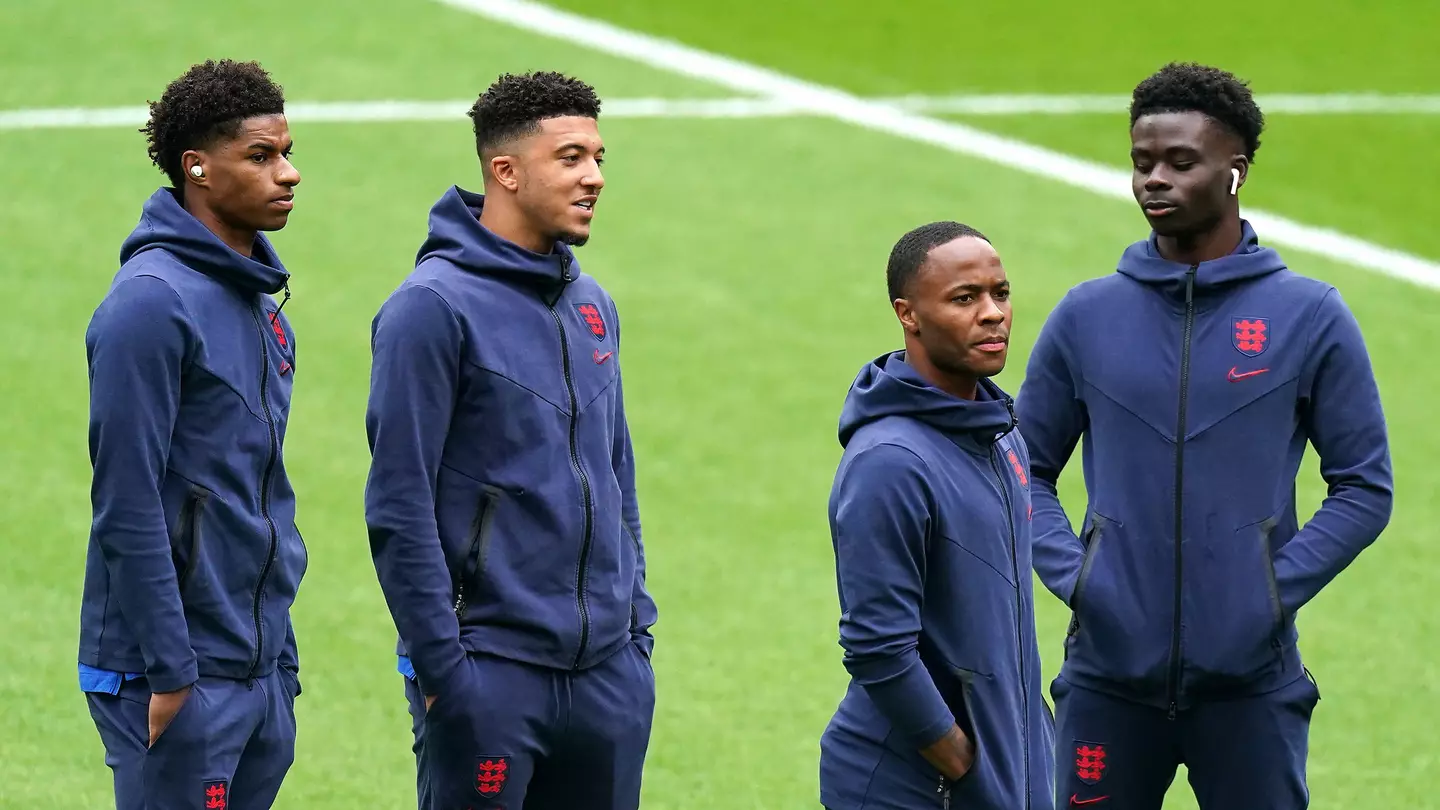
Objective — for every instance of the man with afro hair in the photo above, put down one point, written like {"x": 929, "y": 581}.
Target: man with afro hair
{"x": 187, "y": 654}
{"x": 501, "y": 502}
{"x": 1196, "y": 375}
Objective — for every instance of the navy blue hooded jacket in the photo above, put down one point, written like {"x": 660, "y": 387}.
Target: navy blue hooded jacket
{"x": 1191, "y": 566}
{"x": 501, "y": 499}
{"x": 929, "y": 516}
{"x": 194, "y": 555}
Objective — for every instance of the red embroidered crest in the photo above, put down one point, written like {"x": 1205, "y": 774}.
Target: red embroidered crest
{"x": 1018, "y": 467}
{"x": 217, "y": 794}
{"x": 278, "y": 327}
{"x": 1089, "y": 761}
{"x": 1251, "y": 335}
{"x": 491, "y": 773}
{"x": 591, "y": 314}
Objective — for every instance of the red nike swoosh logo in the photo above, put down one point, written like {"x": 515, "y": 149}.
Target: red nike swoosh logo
{"x": 600, "y": 358}
{"x": 1076, "y": 801}
{"x": 1236, "y": 376}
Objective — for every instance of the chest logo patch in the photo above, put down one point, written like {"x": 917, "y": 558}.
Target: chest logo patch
{"x": 1251, "y": 335}
{"x": 591, "y": 314}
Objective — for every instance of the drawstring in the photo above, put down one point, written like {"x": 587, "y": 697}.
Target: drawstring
{"x": 275, "y": 316}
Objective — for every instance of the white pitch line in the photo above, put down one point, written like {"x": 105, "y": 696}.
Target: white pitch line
{"x": 673, "y": 57}
{"x": 366, "y": 111}
{"x": 1000, "y": 104}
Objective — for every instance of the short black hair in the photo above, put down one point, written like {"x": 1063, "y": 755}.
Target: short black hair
{"x": 208, "y": 101}
{"x": 516, "y": 104}
{"x": 908, "y": 255}
{"x": 1190, "y": 87}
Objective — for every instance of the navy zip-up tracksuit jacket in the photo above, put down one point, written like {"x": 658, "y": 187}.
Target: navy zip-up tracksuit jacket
{"x": 194, "y": 556}
{"x": 501, "y": 499}
{"x": 1196, "y": 389}
{"x": 930, "y": 520}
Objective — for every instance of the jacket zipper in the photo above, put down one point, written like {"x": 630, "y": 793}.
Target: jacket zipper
{"x": 580, "y": 575}
{"x": 264, "y": 489}
{"x": 1019, "y": 607}
{"x": 1180, "y": 486}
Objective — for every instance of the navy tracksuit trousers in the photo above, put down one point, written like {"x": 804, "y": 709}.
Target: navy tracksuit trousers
{"x": 228, "y": 748}
{"x": 1242, "y": 754}
{"x": 519, "y": 736}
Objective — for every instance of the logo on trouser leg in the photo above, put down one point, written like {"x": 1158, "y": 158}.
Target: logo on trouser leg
{"x": 1089, "y": 761}
{"x": 217, "y": 794}
{"x": 491, "y": 774}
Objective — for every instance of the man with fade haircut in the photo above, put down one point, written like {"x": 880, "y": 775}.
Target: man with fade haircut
{"x": 187, "y": 652}
{"x": 1197, "y": 374}
{"x": 930, "y": 521}
{"x": 501, "y": 499}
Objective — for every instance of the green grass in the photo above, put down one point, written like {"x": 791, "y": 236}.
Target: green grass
{"x": 747, "y": 260}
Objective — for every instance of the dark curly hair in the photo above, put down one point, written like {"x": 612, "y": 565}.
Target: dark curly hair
{"x": 515, "y": 105}
{"x": 207, "y": 102}
{"x": 908, "y": 255}
{"x": 1189, "y": 87}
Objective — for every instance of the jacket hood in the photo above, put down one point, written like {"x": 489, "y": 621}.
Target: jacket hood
{"x": 165, "y": 224}
{"x": 1142, "y": 261}
{"x": 457, "y": 236}
{"x": 889, "y": 386}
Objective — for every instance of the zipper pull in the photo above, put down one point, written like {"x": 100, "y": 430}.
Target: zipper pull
{"x": 275, "y": 316}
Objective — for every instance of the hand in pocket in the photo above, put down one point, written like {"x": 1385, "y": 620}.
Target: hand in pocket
{"x": 163, "y": 708}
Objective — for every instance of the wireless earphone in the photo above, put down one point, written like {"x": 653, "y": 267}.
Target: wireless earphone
{"x": 1234, "y": 181}
{"x": 199, "y": 172}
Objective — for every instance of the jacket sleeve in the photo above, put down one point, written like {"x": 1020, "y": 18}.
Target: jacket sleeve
{"x": 645, "y": 613}
{"x": 290, "y": 654}
{"x": 138, "y": 345}
{"x": 415, "y": 370}
{"x": 880, "y": 525}
{"x": 1341, "y": 412}
{"x": 1052, "y": 419}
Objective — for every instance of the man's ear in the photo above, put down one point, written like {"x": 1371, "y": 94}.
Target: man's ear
{"x": 906, "y": 314}
{"x": 504, "y": 171}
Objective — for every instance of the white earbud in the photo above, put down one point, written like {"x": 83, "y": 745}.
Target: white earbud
{"x": 1234, "y": 181}
{"x": 199, "y": 172}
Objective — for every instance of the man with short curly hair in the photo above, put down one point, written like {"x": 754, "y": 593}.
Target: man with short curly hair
{"x": 1196, "y": 375}
{"x": 501, "y": 502}
{"x": 187, "y": 653}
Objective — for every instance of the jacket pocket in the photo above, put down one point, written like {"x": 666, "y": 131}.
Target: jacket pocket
{"x": 1277, "y": 611}
{"x": 474, "y": 563}
{"x": 1091, "y": 541}
{"x": 1238, "y": 626}
{"x": 968, "y": 721}
{"x": 191, "y": 519}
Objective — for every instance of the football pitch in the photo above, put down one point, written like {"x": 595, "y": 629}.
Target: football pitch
{"x": 756, "y": 180}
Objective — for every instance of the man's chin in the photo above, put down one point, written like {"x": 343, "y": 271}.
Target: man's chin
{"x": 274, "y": 223}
